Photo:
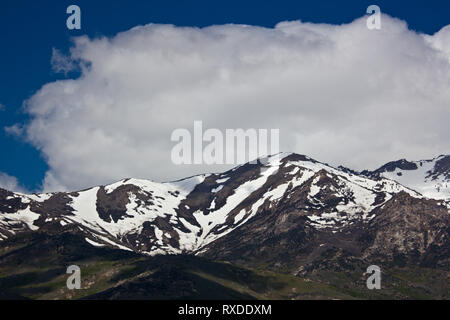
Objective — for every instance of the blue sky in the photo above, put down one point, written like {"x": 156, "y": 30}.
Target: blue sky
{"x": 30, "y": 29}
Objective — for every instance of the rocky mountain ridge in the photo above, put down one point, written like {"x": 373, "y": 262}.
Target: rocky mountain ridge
{"x": 189, "y": 215}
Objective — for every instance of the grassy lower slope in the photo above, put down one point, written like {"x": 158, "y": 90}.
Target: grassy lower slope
{"x": 33, "y": 266}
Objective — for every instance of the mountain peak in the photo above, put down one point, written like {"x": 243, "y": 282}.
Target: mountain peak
{"x": 429, "y": 177}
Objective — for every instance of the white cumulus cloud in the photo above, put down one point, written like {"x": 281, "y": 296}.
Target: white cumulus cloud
{"x": 342, "y": 94}
{"x": 61, "y": 63}
{"x": 10, "y": 183}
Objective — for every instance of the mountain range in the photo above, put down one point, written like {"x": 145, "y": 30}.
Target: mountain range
{"x": 287, "y": 227}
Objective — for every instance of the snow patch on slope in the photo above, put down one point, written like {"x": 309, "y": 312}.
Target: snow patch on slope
{"x": 218, "y": 217}
{"x": 16, "y": 221}
{"x": 418, "y": 179}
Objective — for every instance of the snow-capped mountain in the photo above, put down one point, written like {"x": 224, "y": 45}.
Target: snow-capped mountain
{"x": 287, "y": 214}
{"x": 429, "y": 177}
{"x": 190, "y": 215}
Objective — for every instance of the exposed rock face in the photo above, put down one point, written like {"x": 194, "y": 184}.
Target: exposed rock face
{"x": 404, "y": 230}
{"x": 411, "y": 230}
{"x": 402, "y": 164}
{"x": 289, "y": 212}
{"x": 441, "y": 168}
